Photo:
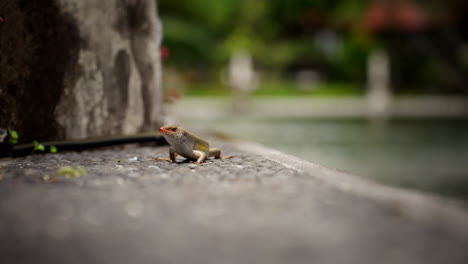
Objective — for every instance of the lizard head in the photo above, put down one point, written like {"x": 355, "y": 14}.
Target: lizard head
{"x": 171, "y": 132}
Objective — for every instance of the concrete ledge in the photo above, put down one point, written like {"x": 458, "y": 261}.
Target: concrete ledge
{"x": 423, "y": 207}
{"x": 261, "y": 206}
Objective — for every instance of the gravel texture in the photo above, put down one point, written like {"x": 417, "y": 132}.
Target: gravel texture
{"x": 129, "y": 208}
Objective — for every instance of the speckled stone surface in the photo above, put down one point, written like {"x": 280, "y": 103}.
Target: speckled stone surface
{"x": 129, "y": 208}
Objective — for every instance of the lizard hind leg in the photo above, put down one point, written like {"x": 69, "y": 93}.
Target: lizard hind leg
{"x": 200, "y": 155}
{"x": 215, "y": 152}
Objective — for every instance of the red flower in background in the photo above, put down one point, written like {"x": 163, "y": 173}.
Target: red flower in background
{"x": 164, "y": 52}
{"x": 403, "y": 15}
{"x": 410, "y": 16}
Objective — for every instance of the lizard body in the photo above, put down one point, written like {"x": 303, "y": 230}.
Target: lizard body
{"x": 187, "y": 145}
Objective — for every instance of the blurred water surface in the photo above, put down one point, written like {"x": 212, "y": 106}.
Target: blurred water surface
{"x": 430, "y": 155}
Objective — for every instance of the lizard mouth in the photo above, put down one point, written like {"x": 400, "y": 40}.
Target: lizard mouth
{"x": 168, "y": 130}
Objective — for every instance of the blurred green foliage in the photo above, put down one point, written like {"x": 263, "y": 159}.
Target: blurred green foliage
{"x": 286, "y": 36}
{"x": 276, "y": 33}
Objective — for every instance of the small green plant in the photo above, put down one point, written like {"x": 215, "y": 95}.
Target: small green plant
{"x": 13, "y": 139}
{"x": 38, "y": 147}
{"x": 53, "y": 149}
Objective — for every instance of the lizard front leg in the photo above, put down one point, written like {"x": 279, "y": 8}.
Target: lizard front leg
{"x": 172, "y": 154}
{"x": 200, "y": 155}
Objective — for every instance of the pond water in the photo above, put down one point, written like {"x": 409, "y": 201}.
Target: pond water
{"x": 429, "y": 154}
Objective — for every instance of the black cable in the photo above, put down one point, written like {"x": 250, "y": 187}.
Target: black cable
{"x": 7, "y": 150}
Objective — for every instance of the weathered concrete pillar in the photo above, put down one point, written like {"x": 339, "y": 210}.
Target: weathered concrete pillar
{"x": 79, "y": 68}
{"x": 379, "y": 95}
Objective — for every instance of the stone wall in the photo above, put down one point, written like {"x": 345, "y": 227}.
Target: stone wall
{"x": 79, "y": 68}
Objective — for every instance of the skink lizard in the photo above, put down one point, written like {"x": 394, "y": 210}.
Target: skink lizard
{"x": 188, "y": 145}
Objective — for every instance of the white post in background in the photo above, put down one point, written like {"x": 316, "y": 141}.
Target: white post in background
{"x": 379, "y": 96}
{"x": 242, "y": 79}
